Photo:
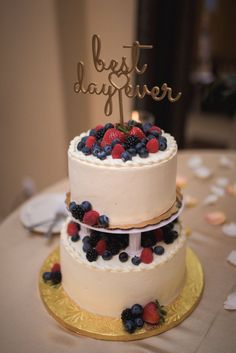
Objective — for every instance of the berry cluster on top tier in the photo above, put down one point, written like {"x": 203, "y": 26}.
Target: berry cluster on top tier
{"x": 54, "y": 276}
{"x": 123, "y": 142}
{"x": 133, "y": 318}
{"x": 84, "y": 213}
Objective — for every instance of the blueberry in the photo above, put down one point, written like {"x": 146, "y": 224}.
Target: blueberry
{"x": 151, "y": 136}
{"x": 95, "y": 150}
{"x": 47, "y": 276}
{"x": 56, "y": 277}
{"x": 162, "y": 143}
{"x": 139, "y": 146}
{"x": 108, "y": 126}
{"x": 126, "y": 156}
{"x": 159, "y": 250}
{"x": 130, "y": 326}
{"x": 123, "y": 256}
{"x": 108, "y": 149}
{"x": 174, "y": 234}
{"x": 107, "y": 255}
{"x": 86, "y": 205}
{"x": 84, "y": 139}
{"x": 86, "y": 239}
{"x": 80, "y": 146}
{"x": 139, "y": 322}
{"x": 132, "y": 151}
{"x": 146, "y": 127}
{"x": 114, "y": 142}
{"x": 144, "y": 141}
{"x": 103, "y": 221}
{"x": 86, "y": 151}
{"x": 72, "y": 206}
{"x": 137, "y": 310}
{"x": 136, "y": 260}
{"x": 92, "y": 132}
{"x": 75, "y": 238}
{"x": 86, "y": 246}
{"x": 102, "y": 155}
{"x": 143, "y": 153}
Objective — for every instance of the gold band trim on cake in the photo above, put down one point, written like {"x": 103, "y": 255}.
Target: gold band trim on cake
{"x": 151, "y": 222}
{"x": 75, "y": 319}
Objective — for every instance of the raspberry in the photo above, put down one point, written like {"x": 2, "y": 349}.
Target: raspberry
{"x": 72, "y": 228}
{"x": 152, "y": 146}
{"x": 136, "y": 131}
{"x": 91, "y": 218}
{"x": 90, "y": 141}
{"x": 56, "y": 268}
{"x": 117, "y": 151}
{"x": 110, "y": 135}
{"x": 101, "y": 246}
{"x": 146, "y": 255}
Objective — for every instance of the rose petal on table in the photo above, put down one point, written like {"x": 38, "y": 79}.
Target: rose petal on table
{"x": 225, "y": 162}
{"x": 230, "y": 303}
{"x": 222, "y": 182}
{"x": 202, "y": 172}
{"x": 232, "y": 257}
{"x": 195, "y": 162}
{"x": 217, "y": 190}
{"x": 190, "y": 201}
{"x": 231, "y": 189}
{"x": 181, "y": 181}
{"x": 211, "y": 199}
{"x": 215, "y": 218}
{"x": 229, "y": 229}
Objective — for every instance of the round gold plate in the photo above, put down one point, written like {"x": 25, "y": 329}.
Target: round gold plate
{"x": 73, "y": 318}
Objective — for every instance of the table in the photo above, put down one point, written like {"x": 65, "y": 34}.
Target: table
{"x": 26, "y": 327}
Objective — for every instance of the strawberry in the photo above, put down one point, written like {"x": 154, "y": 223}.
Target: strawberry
{"x": 152, "y": 146}
{"x": 101, "y": 246}
{"x": 72, "y": 228}
{"x": 159, "y": 234}
{"x": 146, "y": 255}
{"x": 136, "y": 131}
{"x": 91, "y": 218}
{"x": 153, "y": 313}
{"x": 56, "y": 268}
{"x": 111, "y": 135}
{"x": 155, "y": 128}
{"x": 117, "y": 151}
{"x": 98, "y": 127}
{"x": 90, "y": 141}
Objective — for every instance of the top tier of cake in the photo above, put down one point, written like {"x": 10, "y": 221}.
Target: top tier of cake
{"x": 128, "y": 192}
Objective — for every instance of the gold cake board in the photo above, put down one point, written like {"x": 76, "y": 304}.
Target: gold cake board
{"x": 73, "y": 318}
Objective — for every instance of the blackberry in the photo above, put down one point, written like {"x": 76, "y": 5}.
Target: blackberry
{"x": 91, "y": 255}
{"x": 114, "y": 247}
{"x": 100, "y": 133}
{"x": 126, "y": 314}
{"x": 148, "y": 239}
{"x": 132, "y": 123}
{"x": 77, "y": 212}
{"x": 131, "y": 141}
{"x": 94, "y": 238}
{"x": 56, "y": 277}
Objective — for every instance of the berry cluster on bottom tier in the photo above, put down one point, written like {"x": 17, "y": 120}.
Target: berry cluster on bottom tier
{"x": 123, "y": 142}
{"x": 134, "y": 318}
{"x": 53, "y": 276}
{"x": 107, "y": 245}
{"x": 84, "y": 213}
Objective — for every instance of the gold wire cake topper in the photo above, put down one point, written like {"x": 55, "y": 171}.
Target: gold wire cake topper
{"x": 119, "y": 78}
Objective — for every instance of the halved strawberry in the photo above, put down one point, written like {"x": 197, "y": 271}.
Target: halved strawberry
{"x": 117, "y": 151}
{"x": 91, "y": 140}
{"x": 153, "y": 313}
{"x": 101, "y": 246}
{"x": 91, "y": 217}
{"x": 111, "y": 135}
{"x": 136, "y": 131}
{"x": 146, "y": 255}
{"x": 152, "y": 146}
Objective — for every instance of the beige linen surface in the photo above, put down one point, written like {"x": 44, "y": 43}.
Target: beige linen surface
{"x": 26, "y": 327}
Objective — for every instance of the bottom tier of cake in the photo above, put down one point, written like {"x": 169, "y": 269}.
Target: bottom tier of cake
{"x": 108, "y": 287}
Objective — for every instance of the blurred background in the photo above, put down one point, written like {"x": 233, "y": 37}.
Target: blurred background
{"x": 41, "y": 43}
